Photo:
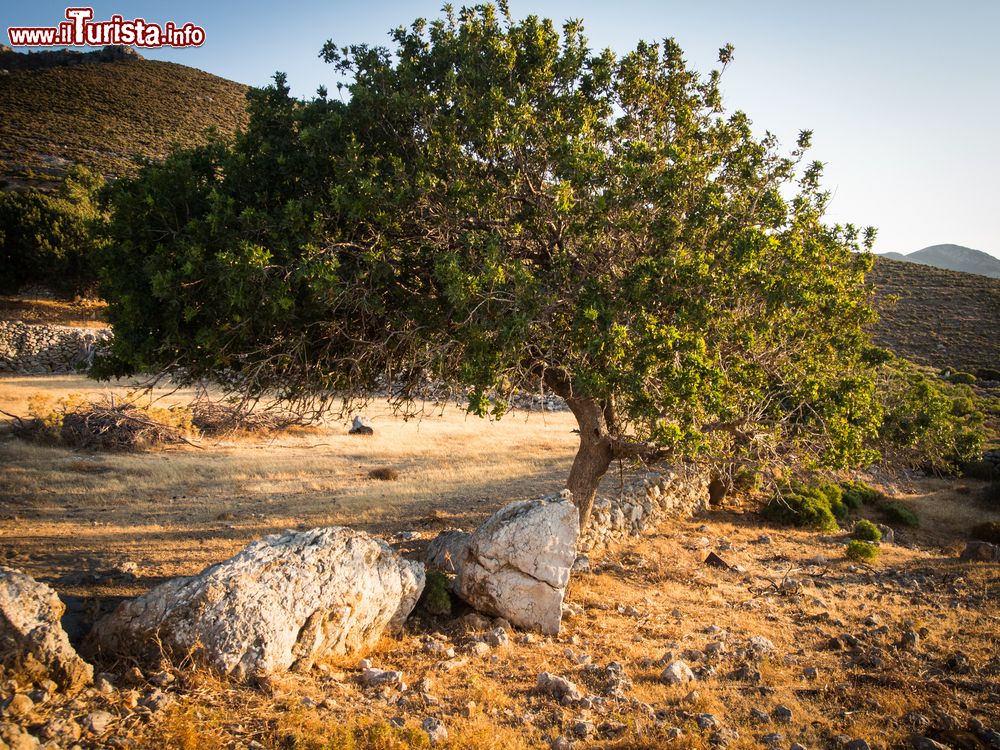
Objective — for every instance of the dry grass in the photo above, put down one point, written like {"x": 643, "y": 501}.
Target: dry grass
{"x": 81, "y": 313}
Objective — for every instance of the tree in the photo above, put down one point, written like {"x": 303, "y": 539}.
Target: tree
{"x": 497, "y": 206}
{"x": 49, "y": 239}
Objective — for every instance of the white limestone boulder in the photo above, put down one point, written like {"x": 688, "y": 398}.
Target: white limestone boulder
{"x": 281, "y": 603}
{"x": 31, "y": 636}
{"x": 518, "y": 563}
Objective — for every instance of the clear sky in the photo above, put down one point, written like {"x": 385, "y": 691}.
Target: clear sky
{"x": 903, "y": 95}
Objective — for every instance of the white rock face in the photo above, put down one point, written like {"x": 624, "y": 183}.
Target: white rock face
{"x": 447, "y": 550}
{"x": 517, "y": 564}
{"x": 31, "y": 637}
{"x": 281, "y": 603}
{"x": 677, "y": 673}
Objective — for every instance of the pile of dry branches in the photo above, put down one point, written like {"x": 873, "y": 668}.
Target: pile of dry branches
{"x": 217, "y": 418}
{"x": 121, "y": 426}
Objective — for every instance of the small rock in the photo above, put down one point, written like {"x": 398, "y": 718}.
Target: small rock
{"x": 774, "y": 738}
{"x": 584, "y": 729}
{"x": 19, "y": 706}
{"x": 761, "y": 717}
{"x": 479, "y": 648}
{"x": 558, "y": 687}
{"x": 810, "y": 673}
{"x": 677, "y": 673}
{"x": 561, "y": 743}
{"x": 62, "y": 731}
{"x": 397, "y": 721}
{"x": 782, "y": 714}
{"x": 909, "y": 641}
{"x": 857, "y": 744}
{"x": 691, "y": 697}
{"x": 373, "y": 677}
{"x": 581, "y": 564}
{"x": 926, "y": 743}
{"x": 157, "y": 701}
{"x": 797, "y": 746}
{"x": 436, "y": 731}
{"x": 760, "y": 646}
{"x": 97, "y": 722}
{"x": 707, "y": 721}
{"x": 674, "y": 732}
{"x": 498, "y": 637}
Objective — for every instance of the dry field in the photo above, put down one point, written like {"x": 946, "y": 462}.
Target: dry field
{"x": 76, "y": 520}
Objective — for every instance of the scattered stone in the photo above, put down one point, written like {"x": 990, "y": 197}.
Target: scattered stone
{"x": 674, "y": 732}
{"x": 774, "y": 738}
{"x": 281, "y": 603}
{"x": 584, "y": 729}
{"x": 677, "y": 673}
{"x": 157, "y": 701}
{"x": 62, "y": 731}
{"x": 888, "y": 535}
{"x": 479, "y": 648}
{"x": 810, "y": 673}
{"x": 760, "y": 646}
{"x": 716, "y": 648}
{"x": 759, "y": 716}
{"x": 558, "y": 687}
{"x": 518, "y": 562}
{"x": 31, "y": 635}
{"x": 611, "y": 729}
{"x": 981, "y": 551}
{"x": 915, "y": 719}
{"x": 797, "y": 746}
{"x": 782, "y": 714}
{"x": 436, "y": 731}
{"x": 19, "y": 706}
{"x": 909, "y": 641}
{"x": 857, "y": 744}
{"x": 707, "y": 721}
{"x": 561, "y": 742}
{"x": 715, "y": 561}
{"x": 373, "y": 677}
{"x": 104, "y": 683}
{"x": 97, "y": 722}
{"x": 926, "y": 743}
{"x": 581, "y": 564}
{"x": 498, "y": 637}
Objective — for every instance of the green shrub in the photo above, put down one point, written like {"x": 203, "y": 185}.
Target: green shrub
{"x": 814, "y": 506}
{"x": 51, "y": 239}
{"x": 899, "y": 513}
{"x": 961, "y": 378}
{"x": 988, "y": 531}
{"x": 987, "y": 373}
{"x": 436, "y": 599}
{"x": 860, "y": 551}
{"x": 920, "y": 427}
{"x": 866, "y": 531}
{"x": 857, "y": 493}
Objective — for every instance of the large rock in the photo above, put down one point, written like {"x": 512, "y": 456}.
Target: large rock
{"x": 517, "y": 564}
{"x": 281, "y": 603}
{"x": 981, "y": 551}
{"x": 447, "y": 550}
{"x": 31, "y": 638}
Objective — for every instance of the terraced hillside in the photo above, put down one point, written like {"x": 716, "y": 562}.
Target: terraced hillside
{"x": 941, "y": 318}
{"x": 104, "y": 114}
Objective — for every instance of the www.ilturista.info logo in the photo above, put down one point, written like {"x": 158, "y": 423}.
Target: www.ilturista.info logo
{"x": 79, "y": 30}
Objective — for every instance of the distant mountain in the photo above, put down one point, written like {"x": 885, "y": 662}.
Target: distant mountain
{"x": 953, "y": 258}
{"x": 102, "y": 110}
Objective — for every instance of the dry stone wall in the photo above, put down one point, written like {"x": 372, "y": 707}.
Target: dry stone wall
{"x": 679, "y": 491}
{"x": 32, "y": 349}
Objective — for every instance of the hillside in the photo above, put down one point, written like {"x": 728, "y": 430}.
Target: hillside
{"x": 953, "y": 258}
{"x": 104, "y": 114}
{"x": 942, "y": 318}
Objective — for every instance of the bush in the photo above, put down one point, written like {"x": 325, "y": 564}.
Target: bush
{"x": 961, "y": 378}
{"x": 899, "y": 513}
{"x": 860, "y": 551}
{"x": 384, "y": 474}
{"x": 982, "y": 469}
{"x": 987, "y": 373}
{"x": 856, "y": 493}
{"x": 51, "y": 239}
{"x": 436, "y": 599}
{"x": 813, "y": 506}
{"x": 987, "y": 532}
{"x": 922, "y": 426}
{"x": 866, "y": 531}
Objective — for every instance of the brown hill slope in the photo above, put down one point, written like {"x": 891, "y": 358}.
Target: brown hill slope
{"x": 104, "y": 114}
{"x": 941, "y": 319}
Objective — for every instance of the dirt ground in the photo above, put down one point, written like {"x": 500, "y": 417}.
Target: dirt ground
{"x": 97, "y": 527}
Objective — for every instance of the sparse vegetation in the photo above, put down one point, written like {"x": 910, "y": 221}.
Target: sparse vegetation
{"x": 816, "y": 506}
{"x": 857, "y": 493}
{"x": 898, "y": 513}
{"x": 861, "y": 551}
{"x": 866, "y": 531}
{"x": 384, "y": 474}
{"x": 436, "y": 599}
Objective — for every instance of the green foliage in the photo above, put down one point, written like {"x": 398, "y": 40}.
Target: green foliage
{"x": 436, "y": 598}
{"x": 866, "y": 531}
{"x": 859, "y": 551}
{"x": 897, "y": 512}
{"x": 961, "y": 378}
{"x": 816, "y": 506}
{"x": 988, "y": 531}
{"x": 857, "y": 493}
{"x": 987, "y": 373}
{"x": 50, "y": 239}
{"x": 494, "y": 204}
{"x": 927, "y": 423}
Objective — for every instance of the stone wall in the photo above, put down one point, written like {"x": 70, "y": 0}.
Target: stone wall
{"x": 679, "y": 491}
{"x": 39, "y": 349}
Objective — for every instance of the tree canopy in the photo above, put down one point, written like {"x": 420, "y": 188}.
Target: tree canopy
{"x": 493, "y": 204}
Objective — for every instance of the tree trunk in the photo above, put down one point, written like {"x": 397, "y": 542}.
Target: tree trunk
{"x": 592, "y": 458}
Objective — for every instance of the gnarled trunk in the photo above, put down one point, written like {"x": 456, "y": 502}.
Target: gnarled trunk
{"x": 593, "y": 456}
